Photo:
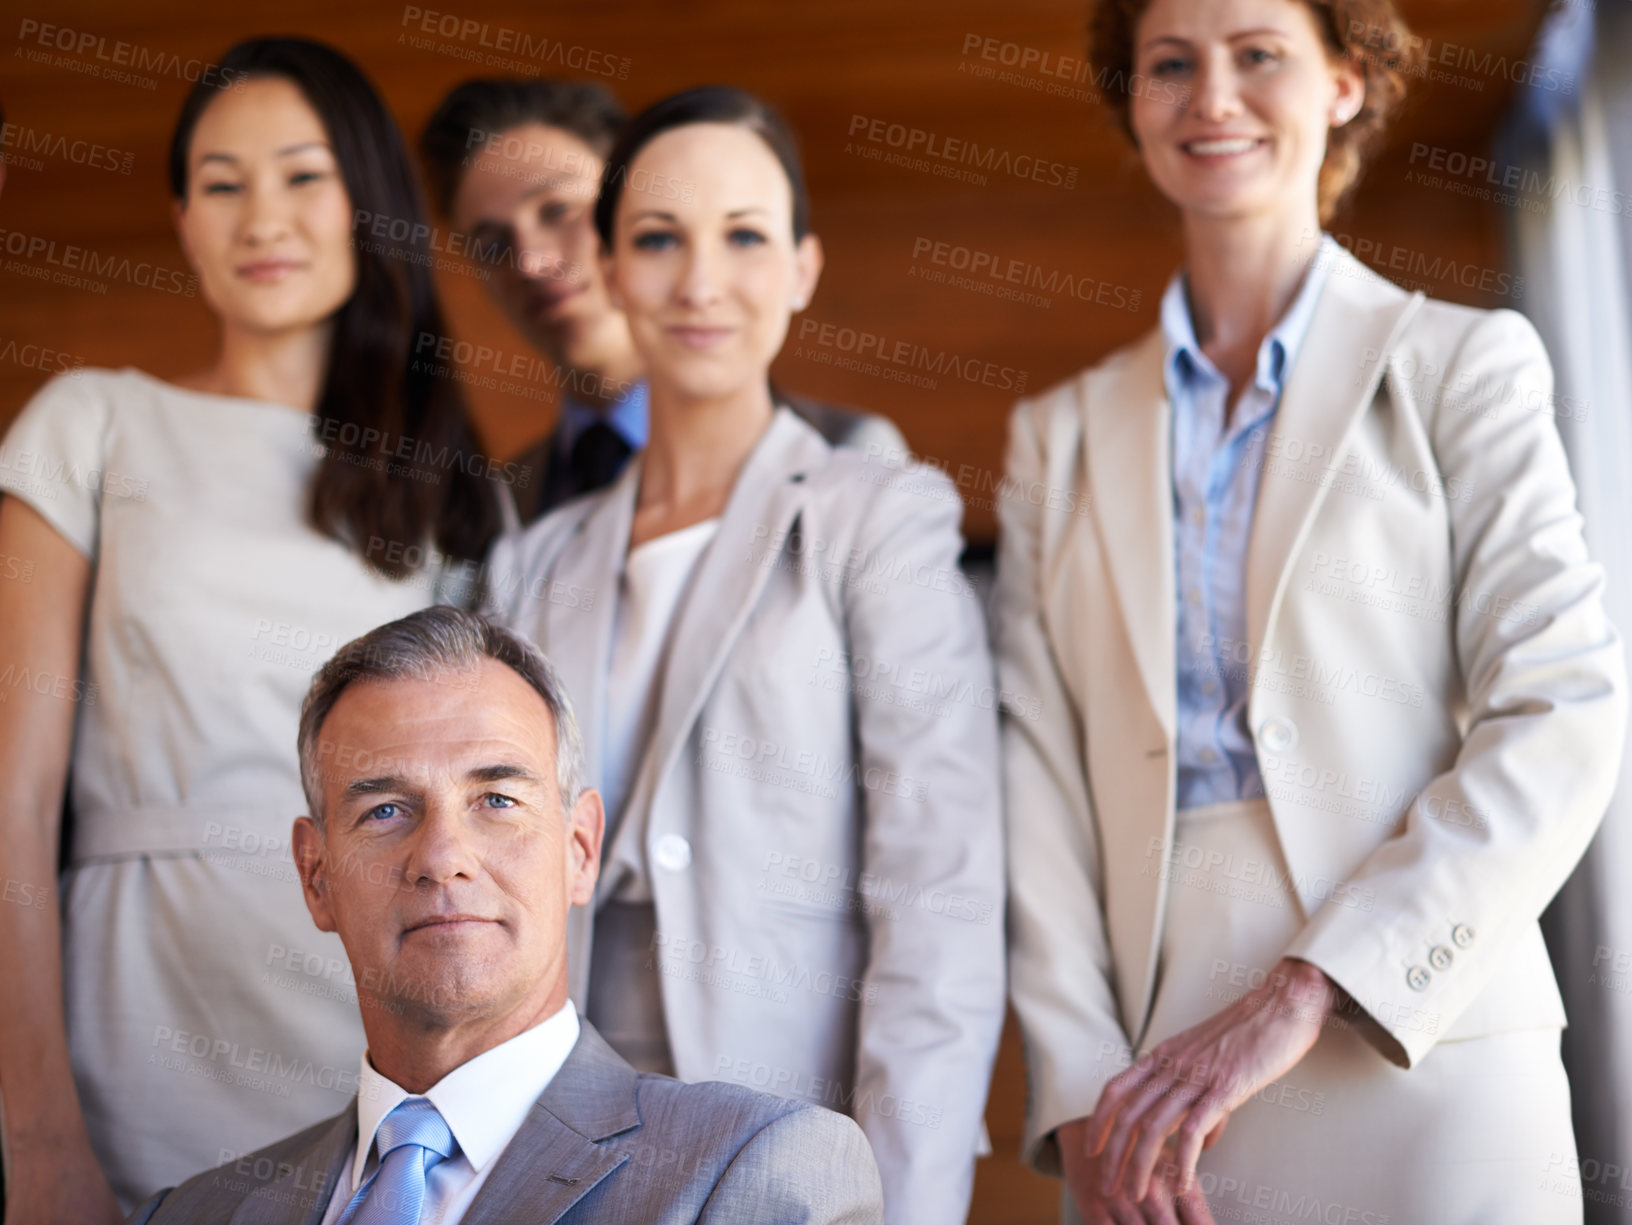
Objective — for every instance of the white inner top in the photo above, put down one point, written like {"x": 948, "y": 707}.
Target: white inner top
{"x": 656, "y": 576}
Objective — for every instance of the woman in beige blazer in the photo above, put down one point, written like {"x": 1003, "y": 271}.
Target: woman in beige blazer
{"x": 1329, "y": 703}
{"x": 786, "y": 694}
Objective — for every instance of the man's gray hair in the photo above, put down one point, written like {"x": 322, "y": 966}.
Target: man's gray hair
{"x": 435, "y": 644}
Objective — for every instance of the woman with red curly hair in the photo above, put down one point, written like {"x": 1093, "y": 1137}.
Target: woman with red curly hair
{"x": 1331, "y": 706}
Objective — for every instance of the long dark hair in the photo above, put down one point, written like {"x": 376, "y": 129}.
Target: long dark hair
{"x": 704, "y": 104}
{"x": 402, "y": 467}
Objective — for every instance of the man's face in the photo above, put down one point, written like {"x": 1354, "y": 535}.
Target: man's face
{"x": 527, "y": 201}
{"x": 446, "y": 861}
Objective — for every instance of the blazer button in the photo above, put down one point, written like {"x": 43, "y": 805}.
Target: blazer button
{"x": 672, "y": 853}
{"x": 1440, "y": 957}
{"x": 1278, "y": 735}
{"x": 1417, "y": 978}
{"x": 1461, "y": 935}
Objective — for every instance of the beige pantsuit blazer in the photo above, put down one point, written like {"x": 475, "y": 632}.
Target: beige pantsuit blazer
{"x": 1436, "y": 697}
{"x": 821, "y": 795}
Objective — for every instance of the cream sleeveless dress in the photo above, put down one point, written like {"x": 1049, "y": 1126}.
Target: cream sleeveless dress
{"x": 207, "y": 1016}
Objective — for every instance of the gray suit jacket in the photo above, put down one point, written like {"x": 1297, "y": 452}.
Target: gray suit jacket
{"x": 819, "y": 800}
{"x": 603, "y": 1143}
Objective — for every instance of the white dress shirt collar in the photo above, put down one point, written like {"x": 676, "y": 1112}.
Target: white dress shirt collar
{"x": 484, "y": 1101}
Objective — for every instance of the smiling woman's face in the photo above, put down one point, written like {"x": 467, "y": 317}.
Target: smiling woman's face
{"x": 708, "y": 275}
{"x": 266, "y": 224}
{"x": 1247, "y": 93}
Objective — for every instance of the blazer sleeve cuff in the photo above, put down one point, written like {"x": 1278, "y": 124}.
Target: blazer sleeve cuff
{"x": 1401, "y": 1021}
{"x": 1063, "y": 1091}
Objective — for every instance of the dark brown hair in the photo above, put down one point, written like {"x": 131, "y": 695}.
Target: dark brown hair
{"x": 490, "y": 105}
{"x": 1370, "y": 34}
{"x": 705, "y": 104}
{"x": 379, "y": 410}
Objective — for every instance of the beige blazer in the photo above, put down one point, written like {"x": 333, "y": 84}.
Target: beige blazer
{"x": 1436, "y": 695}
{"x": 821, "y": 794}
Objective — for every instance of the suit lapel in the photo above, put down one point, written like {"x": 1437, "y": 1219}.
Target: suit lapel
{"x": 579, "y": 603}
{"x": 578, "y": 607}
{"x": 300, "y": 1195}
{"x": 1325, "y": 395}
{"x": 752, "y": 535}
{"x": 1127, "y": 453}
{"x": 556, "y": 1158}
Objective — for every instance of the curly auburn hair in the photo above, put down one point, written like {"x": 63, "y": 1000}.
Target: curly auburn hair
{"x": 1370, "y": 34}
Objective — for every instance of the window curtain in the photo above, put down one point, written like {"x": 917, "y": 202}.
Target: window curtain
{"x": 1573, "y": 146}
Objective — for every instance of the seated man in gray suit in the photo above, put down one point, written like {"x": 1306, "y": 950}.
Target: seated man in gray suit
{"x": 450, "y": 833}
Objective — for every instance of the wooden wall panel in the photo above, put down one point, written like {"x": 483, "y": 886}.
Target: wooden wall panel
{"x": 1102, "y": 250}
{"x": 1097, "y": 254}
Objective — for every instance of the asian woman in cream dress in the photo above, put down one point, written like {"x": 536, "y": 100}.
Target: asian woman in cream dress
{"x": 195, "y": 550}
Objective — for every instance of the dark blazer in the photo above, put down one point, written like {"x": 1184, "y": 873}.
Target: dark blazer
{"x": 551, "y": 480}
{"x": 603, "y": 1143}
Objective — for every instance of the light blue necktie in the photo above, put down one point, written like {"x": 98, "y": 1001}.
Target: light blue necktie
{"x": 410, "y": 1140}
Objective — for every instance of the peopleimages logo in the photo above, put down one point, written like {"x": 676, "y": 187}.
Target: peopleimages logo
{"x": 904, "y": 355}
{"x": 113, "y": 57}
{"x": 934, "y": 148}
{"x": 1011, "y": 276}
{"x": 37, "y": 357}
{"x": 69, "y": 260}
{"x": 1373, "y": 41}
{"x": 1037, "y": 68}
{"x": 1516, "y": 186}
{"x": 19, "y": 141}
{"x": 1414, "y": 269}
{"x": 492, "y": 45}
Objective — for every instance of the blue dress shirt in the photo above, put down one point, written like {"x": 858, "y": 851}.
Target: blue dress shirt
{"x": 630, "y": 416}
{"x": 1217, "y": 462}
